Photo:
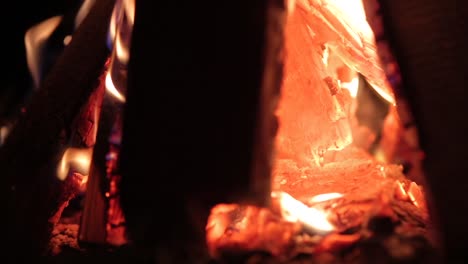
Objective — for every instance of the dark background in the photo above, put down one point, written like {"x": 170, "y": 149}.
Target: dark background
{"x": 15, "y": 84}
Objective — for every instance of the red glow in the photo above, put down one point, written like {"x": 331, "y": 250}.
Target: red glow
{"x": 323, "y": 182}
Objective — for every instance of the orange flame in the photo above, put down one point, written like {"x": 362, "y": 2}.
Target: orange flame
{"x": 83, "y": 11}
{"x": 34, "y": 41}
{"x": 120, "y": 29}
{"x": 74, "y": 159}
{"x": 4, "y": 130}
{"x": 121, "y": 26}
{"x": 110, "y": 87}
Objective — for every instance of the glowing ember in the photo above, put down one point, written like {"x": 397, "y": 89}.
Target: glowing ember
{"x": 234, "y": 227}
{"x": 400, "y": 192}
{"x": 351, "y": 86}
{"x": 74, "y": 160}
{"x": 312, "y": 109}
{"x": 416, "y": 195}
{"x": 323, "y": 184}
{"x": 293, "y": 210}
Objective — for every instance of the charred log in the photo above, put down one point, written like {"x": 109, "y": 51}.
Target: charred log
{"x": 396, "y": 233}
{"x": 207, "y": 87}
{"x": 429, "y": 41}
{"x": 30, "y": 155}
{"x": 93, "y": 219}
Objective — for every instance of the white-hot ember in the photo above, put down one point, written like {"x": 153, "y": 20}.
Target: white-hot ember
{"x": 313, "y": 219}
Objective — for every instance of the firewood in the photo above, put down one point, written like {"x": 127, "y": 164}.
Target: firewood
{"x": 31, "y": 153}
{"x": 206, "y": 93}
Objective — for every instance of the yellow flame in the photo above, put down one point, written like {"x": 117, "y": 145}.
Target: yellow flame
{"x": 129, "y": 6}
{"x": 325, "y": 197}
{"x": 112, "y": 90}
{"x": 385, "y": 94}
{"x": 34, "y": 41}
{"x": 76, "y": 159}
{"x": 3, "y": 134}
{"x": 121, "y": 51}
{"x": 83, "y": 11}
{"x": 120, "y": 28}
{"x": 113, "y": 23}
{"x": 293, "y": 210}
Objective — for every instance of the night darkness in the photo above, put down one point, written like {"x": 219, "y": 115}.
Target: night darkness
{"x": 15, "y": 85}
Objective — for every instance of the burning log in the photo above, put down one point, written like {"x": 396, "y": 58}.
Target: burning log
{"x": 346, "y": 228}
{"x": 372, "y": 213}
{"x": 93, "y": 219}
{"x": 366, "y": 203}
{"x": 30, "y": 156}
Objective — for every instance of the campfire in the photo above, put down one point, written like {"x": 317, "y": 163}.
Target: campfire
{"x": 336, "y": 180}
{"x": 313, "y": 155}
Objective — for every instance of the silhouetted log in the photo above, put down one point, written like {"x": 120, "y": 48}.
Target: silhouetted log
{"x": 29, "y": 158}
{"x": 204, "y": 80}
{"x": 430, "y": 40}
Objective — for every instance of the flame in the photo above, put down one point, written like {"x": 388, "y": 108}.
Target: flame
{"x": 384, "y": 93}
{"x": 120, "y": 32}
{"x": 325, "y": 197}
{"x": 34, "y": 41}
{"x": 120, "y": 28}
{"x": 129, "y": 6}
{"x": 121, "y": 51}
{"x": 113, "y": 25}
{"x": 67, "y": 39}
{"x": 112, "y": 90}
{"x": 293, "y": 210}
{"x": 84, "y": 181}
{"x": 76, "y": 159}
{"x": 4, "y": 130}
{"x": 352, "y": 86}
{"x": 83, "y": 12}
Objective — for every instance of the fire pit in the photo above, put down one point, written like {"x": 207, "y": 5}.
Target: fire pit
{"x": 266, "y": 132}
